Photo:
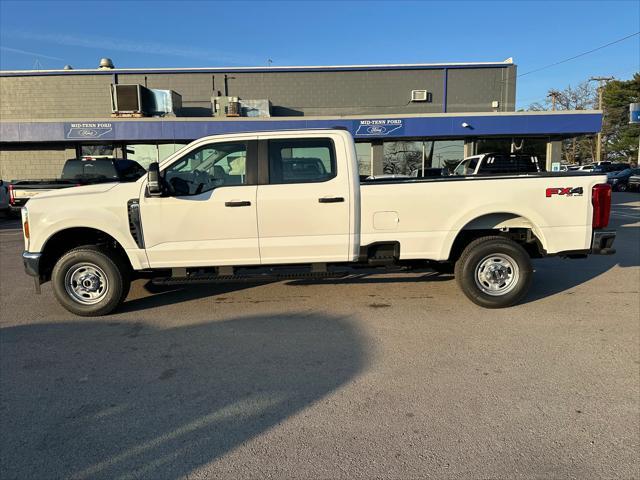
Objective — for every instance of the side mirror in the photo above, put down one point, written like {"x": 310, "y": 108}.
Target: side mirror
{"x": 154, "y": 184}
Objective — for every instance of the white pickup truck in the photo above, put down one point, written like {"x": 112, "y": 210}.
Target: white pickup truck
{"x": 224, "y": 208}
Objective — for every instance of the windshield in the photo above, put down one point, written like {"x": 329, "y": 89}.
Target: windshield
{"x": 461, "y": 168}
{"x": 466, "y": 166}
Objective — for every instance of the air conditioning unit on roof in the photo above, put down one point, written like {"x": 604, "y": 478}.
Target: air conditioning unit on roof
{"x": 138, "y": 101}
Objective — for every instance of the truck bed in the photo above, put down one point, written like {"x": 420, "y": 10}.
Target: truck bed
{"x": 425, "y": 215}
{"x": 23, "y": 190}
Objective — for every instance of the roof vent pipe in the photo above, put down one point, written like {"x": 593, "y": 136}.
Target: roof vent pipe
{"x": 106, "y": 64}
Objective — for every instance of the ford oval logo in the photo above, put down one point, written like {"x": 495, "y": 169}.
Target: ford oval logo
{"x": 376, "y": 129}
{"x": 87, "y": 132}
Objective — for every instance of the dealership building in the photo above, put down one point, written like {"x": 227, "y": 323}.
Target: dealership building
{"x": 402, "y": 117}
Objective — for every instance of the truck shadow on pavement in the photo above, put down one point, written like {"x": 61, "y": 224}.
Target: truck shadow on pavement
{"x": 105, "y": 399}
{"x": 556, "y": 275}
{"x": 158, "y": 296}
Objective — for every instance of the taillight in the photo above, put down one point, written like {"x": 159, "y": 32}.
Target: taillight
{"x": 11, "y": 197}
{"x": 601, "y": 200}
{"x": 25, "y": 227}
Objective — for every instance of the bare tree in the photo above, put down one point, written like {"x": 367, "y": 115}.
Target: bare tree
{"x": 582, "y": 97}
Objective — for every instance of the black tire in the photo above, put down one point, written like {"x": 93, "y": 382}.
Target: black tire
{"x": 622, "y": 187}
{"x": 107, "y": 265}
{"x": 475, "y": 265}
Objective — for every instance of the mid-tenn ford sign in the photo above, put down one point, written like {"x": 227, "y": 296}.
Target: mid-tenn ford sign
{"x": 89, "y": 131}
{"x": 379, "y": 127}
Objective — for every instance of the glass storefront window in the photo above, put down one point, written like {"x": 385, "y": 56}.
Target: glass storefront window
{"x": 96, "y": 151}
{"x": 146, "y": 153}
{"x": 527, "y": 146}
{"x": 363, "y": 151}
{"x": 447, "y": 153}
{"x": 166, "y": 149}
{"x": 421, "y": 158}
{"x": 142, "y": 153}
{"x": 402, "y": 157}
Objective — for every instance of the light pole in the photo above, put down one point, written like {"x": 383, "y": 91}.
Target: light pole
{"x": 602, "y": 81}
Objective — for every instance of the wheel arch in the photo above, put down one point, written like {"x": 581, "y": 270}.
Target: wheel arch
{"x": 67, "y": 239}
{"x": 504, "y": 223}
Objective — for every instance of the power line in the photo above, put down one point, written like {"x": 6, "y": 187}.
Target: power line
{"x": 580, "y": 55}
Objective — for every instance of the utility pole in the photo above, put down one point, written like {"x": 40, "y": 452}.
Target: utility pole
{"x": 602, "y": 81}
{"x": 554, "y": 94}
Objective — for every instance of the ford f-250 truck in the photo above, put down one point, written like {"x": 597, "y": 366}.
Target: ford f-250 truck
{"x": 224, "y": 208}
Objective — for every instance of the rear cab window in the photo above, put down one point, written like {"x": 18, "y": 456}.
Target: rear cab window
{"x": 509, "y": 164}
{"x": 90, "y": 170}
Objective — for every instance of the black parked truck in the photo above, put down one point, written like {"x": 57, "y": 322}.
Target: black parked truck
{"x": 75, "y": 173}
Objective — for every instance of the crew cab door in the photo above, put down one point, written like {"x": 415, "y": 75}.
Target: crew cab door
{"x": 303, "y": 200}
{"x": 207, "y": 217}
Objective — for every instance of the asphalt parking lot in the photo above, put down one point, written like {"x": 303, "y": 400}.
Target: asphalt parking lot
{"x": 371, "y": 378}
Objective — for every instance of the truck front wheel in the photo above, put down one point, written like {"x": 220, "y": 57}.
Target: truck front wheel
{"x": 89, "y": 282}
{"x": 494, "y": 272}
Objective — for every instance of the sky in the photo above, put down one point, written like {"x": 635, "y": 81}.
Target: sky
{"x": 50, "y": 34}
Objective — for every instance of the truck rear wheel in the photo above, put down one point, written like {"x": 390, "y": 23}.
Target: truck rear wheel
{"x": 494, "y": 272}
{"x": 88, "y": 282}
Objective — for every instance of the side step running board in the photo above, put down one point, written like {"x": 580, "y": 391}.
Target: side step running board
{"x": 249, "y": 278}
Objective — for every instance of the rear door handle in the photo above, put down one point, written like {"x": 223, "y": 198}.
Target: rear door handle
{"x": 331, "y": 199}
{"x": 238, "y": 203}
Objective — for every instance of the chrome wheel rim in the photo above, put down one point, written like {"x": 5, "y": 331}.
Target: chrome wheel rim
{"x": 497, "y": 274}
{"x": 86, "y": 283}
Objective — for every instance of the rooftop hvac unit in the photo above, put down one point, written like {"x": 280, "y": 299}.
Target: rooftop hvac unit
{"x": 420, "y": 96}
{"x": 136, "y": 100}
{"x": 165, "y": 102}
{"x": 131, "y": 99}
{"x": 233, "y": 106}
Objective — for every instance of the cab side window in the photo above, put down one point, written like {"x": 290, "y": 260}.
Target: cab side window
{"x": 301, "y": 161}
{"x": 206, "y": 168}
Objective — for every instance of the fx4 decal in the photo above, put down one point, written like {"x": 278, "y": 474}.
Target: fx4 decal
{"x": 566, "y": 191}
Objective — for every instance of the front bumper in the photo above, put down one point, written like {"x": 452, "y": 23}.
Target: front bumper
{"x": 602, "y": 242}
{"x": 31, "y": 263}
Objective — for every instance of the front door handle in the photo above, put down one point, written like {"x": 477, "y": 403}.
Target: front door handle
{"x": 331, "y": 199}
{"x": 238, "y": 203}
